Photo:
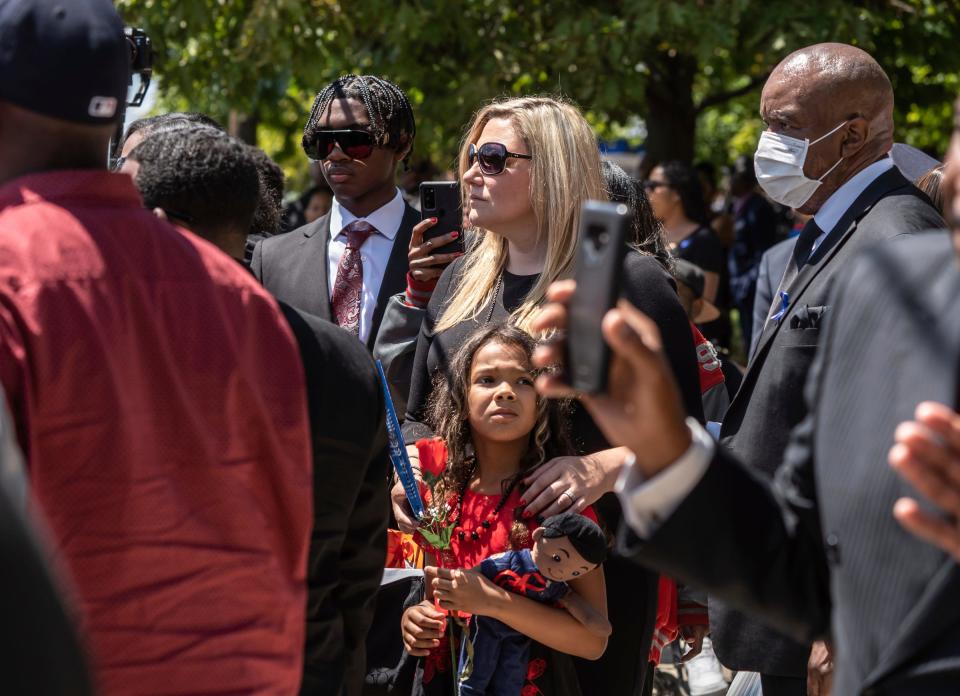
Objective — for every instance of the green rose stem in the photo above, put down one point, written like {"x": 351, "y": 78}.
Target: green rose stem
{"x": 453, "y": 656}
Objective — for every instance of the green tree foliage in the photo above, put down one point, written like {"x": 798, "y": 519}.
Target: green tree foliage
{"x": 691, "y": 70}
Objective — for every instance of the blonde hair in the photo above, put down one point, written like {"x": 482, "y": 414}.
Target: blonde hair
{"x": 565, "y": 172}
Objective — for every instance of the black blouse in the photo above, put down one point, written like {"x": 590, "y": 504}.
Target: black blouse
{"x": 645, "y": 283}
{"x": 702, "y": 248}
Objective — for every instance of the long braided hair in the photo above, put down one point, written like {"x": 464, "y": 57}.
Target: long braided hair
{"x": 391, "y": 116}
{"x": 448, "y": 414}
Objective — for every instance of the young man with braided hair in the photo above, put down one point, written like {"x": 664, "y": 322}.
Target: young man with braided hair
{"x": 348, "y": 263}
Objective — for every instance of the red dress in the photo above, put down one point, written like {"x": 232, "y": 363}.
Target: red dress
{"x": 468, "y": 553}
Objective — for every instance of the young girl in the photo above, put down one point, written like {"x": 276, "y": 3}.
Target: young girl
{"x": 494, "y": 429}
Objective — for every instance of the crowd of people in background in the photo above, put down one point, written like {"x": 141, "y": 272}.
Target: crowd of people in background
{"x": 197, "y": 485}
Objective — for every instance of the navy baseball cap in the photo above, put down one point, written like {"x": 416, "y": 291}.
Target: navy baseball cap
{"x": 68, "y": 59}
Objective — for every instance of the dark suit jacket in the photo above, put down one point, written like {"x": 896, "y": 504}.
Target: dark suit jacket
{"x": 293, "y": 266}
{"x": 772, "y": 265}
{"x": 770, "y": 401}
{"x": 350, "y": 503}
{"x": 818, "y": 552}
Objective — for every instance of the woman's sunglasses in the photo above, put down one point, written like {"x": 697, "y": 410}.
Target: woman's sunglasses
{"x": 356, "y": 144}
{"x": 492, "y": 157}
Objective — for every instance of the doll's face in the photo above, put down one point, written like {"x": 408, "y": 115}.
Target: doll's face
{"x": 557, "y": 559}
{"x": 502, "y": 399}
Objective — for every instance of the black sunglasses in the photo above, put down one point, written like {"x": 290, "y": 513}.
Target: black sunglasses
{"x": 492, "y": 157}
{"x": 356, "y": 144}
{"x": 653, "y": 185}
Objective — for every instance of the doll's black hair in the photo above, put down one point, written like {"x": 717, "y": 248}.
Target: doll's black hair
{"x": 584, "y": 534}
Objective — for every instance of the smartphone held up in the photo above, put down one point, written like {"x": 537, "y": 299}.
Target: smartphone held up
{"x": 441, "y": 200}
{"x": 598, "y": 272}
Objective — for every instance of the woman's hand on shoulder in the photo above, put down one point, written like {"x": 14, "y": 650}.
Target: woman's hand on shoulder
{"x": 421, "y": 628}
{"x": 567, "y": 484}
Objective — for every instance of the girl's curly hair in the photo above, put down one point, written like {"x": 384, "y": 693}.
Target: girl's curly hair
{"x": 448, "y": 414}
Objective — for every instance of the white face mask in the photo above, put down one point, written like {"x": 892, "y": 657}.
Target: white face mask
{"x": 778, "y": 164}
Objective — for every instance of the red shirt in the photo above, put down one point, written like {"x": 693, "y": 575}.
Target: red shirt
{"x": 159, "y": 399}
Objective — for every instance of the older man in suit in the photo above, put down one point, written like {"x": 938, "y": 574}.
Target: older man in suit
{"x": 816, "y": 552}
{"x": 829, "y": 115}
{"x": 346, "y": 265}
{"x": 828, "y": 110}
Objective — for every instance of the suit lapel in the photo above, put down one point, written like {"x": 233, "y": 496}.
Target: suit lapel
{"x": 315, "y": 245}
{"x": 933, "y": 375}
{"x": 395, "y": 275}
{"x": 819, "y": 260}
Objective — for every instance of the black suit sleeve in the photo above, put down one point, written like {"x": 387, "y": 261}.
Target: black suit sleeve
{"x": 763, "y": 550}
{"x": 362, "y": 560}
{"x": 350, "y": 503}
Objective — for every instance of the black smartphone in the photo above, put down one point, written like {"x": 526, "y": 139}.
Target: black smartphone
{"x": 441, "y": 199}
{"x": 598, "y": 270}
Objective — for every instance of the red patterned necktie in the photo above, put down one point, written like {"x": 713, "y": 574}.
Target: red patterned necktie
{"x": 348, "y": 287}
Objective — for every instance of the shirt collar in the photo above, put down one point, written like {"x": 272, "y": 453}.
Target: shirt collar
{"x": 834, "y": 207}
{"x": 386, "y": 218}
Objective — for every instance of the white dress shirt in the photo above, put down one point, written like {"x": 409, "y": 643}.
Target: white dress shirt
{"x": 374, "y": 254}
{"x": 834, "y": 207}
{"x": 647, "y": 503}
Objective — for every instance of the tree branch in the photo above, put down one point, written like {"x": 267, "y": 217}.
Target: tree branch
{"x": 721, "y": 97}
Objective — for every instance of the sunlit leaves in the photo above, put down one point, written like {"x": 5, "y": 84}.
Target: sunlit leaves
{"x": 269, "y": 57}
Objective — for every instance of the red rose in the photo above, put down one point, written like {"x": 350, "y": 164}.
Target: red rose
{"x": 433, "y": 457}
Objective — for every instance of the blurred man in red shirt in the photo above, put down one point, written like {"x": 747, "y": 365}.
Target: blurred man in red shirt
{"x": 157, "y": 390}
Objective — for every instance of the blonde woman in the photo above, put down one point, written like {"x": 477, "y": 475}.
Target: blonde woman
{"x": 527, "y": 165}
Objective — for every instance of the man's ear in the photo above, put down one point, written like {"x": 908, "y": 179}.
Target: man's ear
{"x": 160, "y": 213}
{"x": 856, "y": 137}
{"x": 404, "y": 151}
{"x": 538, "y": 534}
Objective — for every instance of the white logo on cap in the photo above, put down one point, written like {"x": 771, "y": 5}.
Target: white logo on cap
{"x": 102, "y": 107}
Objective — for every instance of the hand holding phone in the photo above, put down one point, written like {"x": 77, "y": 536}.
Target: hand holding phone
{"x": 642, "y": 408}
{"x": 441, "y": 200}
{"x": 599, "y": 268}
{"x": 425, "y": 263}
